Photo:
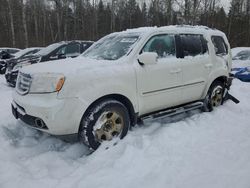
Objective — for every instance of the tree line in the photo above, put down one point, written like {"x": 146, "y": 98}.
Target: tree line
{"x": 26, "y": 23}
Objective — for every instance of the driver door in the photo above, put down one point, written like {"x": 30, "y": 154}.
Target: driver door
{"x": 159, "y": 85}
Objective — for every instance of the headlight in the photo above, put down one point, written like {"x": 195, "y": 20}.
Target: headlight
{"x": 47, "y": 83}
{"x": 19, "y": 66}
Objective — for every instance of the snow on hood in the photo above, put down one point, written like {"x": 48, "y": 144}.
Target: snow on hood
{"x": 240, "y": 63}
{"x": 236, "y": 50}
{"x": 66, "y": 66}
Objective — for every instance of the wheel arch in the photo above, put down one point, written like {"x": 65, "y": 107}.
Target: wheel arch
{"x": 222, "y": 79}
{"x": 122, "y": 99}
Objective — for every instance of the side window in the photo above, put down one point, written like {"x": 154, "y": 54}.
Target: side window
{"x": 219, "y": 45}
{"x": 86, "y": 46}
{"x": 193, "y": 45}
{"x": 73, "y": 49}
{"x": 61, "y": 51}
{"x": 163, "y": 45}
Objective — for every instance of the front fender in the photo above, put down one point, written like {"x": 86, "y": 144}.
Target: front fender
{"x": 89, "y": 86}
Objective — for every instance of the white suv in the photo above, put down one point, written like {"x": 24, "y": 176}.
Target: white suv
{"x": 125, "y": 77}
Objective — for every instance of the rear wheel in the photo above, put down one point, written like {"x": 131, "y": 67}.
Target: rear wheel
{"x": 214, "y": 97}
{"x": 104, "y": 122}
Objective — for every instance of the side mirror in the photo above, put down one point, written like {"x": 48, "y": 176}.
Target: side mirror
{"x": 61, "y": 56}
{"x": 147, "y": 58}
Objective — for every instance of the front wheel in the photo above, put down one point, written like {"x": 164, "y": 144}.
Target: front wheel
{"x": 214, "y": 97}
{"x": 103, "y": 122}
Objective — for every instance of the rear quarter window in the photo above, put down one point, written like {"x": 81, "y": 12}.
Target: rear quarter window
{"x": 193, "y": 45}
{"x": 220, "y": 46}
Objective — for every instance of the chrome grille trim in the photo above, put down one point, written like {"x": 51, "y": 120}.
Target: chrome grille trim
{"x": 23, "y": 83}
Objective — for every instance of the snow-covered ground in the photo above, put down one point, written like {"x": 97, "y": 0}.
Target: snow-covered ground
{"x": 208, "y": 150}
{"x": 240, "y": 64}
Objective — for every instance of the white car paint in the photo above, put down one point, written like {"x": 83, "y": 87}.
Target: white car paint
{"x": 88, "y": 80}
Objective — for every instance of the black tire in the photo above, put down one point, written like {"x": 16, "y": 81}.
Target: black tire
{"x": 209, "y": 105}
{"x": 89, "y": 120}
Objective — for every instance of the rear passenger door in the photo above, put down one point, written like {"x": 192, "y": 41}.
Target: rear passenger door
{"x": 196, "y": 65}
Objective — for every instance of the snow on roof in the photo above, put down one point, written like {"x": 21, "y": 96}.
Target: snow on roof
{"x": 175, "y": 28}
{"x": 9, "y": 48}
{"x": 67, "y": 42}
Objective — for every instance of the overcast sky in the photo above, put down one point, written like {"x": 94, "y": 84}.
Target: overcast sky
{"x": 226, "y": 4}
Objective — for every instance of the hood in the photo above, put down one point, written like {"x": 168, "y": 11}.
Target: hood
{"x": 30, "y": 57}
{"x": 67, "y": 66}
{"x": 240, "y": 63}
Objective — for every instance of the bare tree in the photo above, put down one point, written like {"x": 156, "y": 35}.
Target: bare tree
{"x": 26, "y": 41}
{"x": 11, "y": 23}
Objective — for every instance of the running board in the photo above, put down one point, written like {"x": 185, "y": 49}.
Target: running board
{"x": 173, "y": 111}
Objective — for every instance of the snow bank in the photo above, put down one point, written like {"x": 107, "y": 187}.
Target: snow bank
{"x": 208, "y": 150}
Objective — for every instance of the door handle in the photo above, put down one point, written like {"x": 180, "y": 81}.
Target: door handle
{"x": 175, "y": 71}
{"x": 209, "y": 66}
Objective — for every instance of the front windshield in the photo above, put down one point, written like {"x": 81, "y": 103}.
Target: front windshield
{"x": 112, "y": 47}
{"x": 48, "y": 49}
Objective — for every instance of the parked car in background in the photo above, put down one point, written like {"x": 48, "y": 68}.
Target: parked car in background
{"x": 52, "y": 52}
{"x": 22, "y": 54}
{"x": 6, "y": 53}
{"x": 241, "y": 63}
{"x": 10, "y": 50}
{"x": 241, "y": 57}
{"x": 125, "y": 77}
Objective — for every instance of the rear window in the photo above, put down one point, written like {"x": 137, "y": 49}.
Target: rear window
{"x": 219, "y": 45}
{"x": 193, "y": 45}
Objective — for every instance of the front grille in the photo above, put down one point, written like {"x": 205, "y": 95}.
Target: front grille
{"x": 23, "y": 83}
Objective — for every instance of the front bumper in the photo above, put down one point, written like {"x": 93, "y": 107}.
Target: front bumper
{"x": 11, "y": 78}
{"x": 58, "y": 116}
{"x": 19, "y": 113}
